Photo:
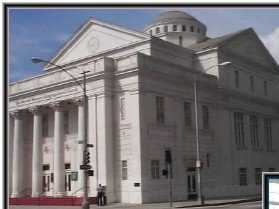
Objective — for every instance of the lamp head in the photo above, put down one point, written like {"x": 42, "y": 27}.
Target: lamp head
{"x": 224, "y": 63}
{"x": 36, "y": 60}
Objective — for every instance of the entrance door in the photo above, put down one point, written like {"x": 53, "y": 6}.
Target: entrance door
{"x": 46, "y": 183}
{"x": 68, "y": 181}
{"x": 191, "y": 183}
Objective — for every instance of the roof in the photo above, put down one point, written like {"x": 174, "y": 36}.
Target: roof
{"x": 214, "y": 42}
{"x": 172, "y": 17}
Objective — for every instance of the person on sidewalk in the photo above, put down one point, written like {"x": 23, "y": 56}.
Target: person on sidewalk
{"x": 100, "y": 195}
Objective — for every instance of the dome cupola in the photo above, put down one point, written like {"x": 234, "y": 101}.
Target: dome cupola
{"x": 177, "y": 27}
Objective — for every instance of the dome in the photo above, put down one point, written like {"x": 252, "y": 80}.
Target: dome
{"x": 177, "y": 27}
{"x": 172, "y": 17}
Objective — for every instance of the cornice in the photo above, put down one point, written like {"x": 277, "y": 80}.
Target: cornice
{"x": 54, "y": 86}
{"x": 246, "y": 97}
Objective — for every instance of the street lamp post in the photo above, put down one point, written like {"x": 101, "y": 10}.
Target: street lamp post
{"x": 198, "y": 160}
{"x": 85, "y": 203}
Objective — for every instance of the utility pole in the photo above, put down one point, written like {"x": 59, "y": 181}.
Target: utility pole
{"x": 198, "y": 161}
{"x": 84, "y": 143}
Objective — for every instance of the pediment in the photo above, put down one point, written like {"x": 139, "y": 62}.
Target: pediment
{"x": 248, "y": 46}
{"x": 95, "y": 37}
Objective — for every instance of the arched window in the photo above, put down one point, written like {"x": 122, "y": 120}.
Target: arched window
{"x": 183, "y": 27}
{"x": 174, "y": 27}
{"x": 165, "y": 28}
{"x": 157, "y": 30}
{"x": 192, "y": 28}
{"x": 180, "y": 40}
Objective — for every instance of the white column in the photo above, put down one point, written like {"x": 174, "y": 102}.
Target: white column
{"x": 81, "y": 137}
{"x": 17, "y": 181}
{"x": 37, "y": 153}
{"x": 59, "y": 165}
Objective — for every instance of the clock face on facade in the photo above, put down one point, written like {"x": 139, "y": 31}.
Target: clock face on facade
{"x": 93, "y": 44}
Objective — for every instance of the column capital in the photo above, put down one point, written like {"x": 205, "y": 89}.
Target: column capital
{"x": 17, "y": 114}
{"x": 58, "y": 106}
{"x": 35, "y": 110}
{"x": 79, "y": 101}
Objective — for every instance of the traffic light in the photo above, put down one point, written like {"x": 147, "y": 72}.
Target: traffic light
{"x": 165, "y": 173}
{"x": 86, "y": 157}
{"x": 168, "y": 156}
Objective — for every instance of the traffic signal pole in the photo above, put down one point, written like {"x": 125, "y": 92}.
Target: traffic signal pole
{"x": 85, "y": 203}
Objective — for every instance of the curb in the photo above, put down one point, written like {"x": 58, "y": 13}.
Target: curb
{"x": 221, "y": 203}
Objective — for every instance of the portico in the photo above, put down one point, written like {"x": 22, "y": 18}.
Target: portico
{"x": 39, "y": 147}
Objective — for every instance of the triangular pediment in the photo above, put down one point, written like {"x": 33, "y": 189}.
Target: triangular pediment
{"x": 248, "y": 46}
{"x": 95, "y": 37}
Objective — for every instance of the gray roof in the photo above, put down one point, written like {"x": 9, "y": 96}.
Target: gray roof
{"x": 172, "y": 16}
{"x": 214, "y": 42}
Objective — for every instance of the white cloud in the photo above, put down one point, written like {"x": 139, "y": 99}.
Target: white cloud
{"x": 271, "y": 41}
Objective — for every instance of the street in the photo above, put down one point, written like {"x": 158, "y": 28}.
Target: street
{"x": 251, "y": 205}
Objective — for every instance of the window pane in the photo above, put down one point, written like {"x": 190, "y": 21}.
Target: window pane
{"x": 187, "y": 114}
{"x": 160, "y": 109}
{"x": 242, "y": 176}
{"x": 124, "y": 170}
{"x": 205, "y": 115}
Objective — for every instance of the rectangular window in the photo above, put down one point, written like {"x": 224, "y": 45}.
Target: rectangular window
{"x": 239, "y": 129}
{"x": 67, "y": 166}
{"x": 66, "y": 122}
{"x": 183, "y": 27}
{"x": 258, "y": 176}
{"x": 174, "y": 27}
{"x": 236, "y": 79}
{"x": 124, "y": 170}
{"x": 45, "y": 167}
{"x": 45, "y": 125}
{"x": 265, "y": 88}
{"x": 155, "y": 169}
{"x": 268, "y": 134}
{"x": 243, "y": 176}
{"x": 160, "y": 109}
{"x": 165, "y": 28}
{"x": 252, "y": 88}
{"x": 254, "y": 131}
{"x": 187, "y": 114}
{"x": 122, "y": 108}
{"x": 157, "y": 30}
{"x": 205, "y": 117}
{"x": 208, "y": 160}
{"x": 180, "y": 40}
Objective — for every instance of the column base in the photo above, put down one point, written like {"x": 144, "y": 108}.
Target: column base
{"x": 59, "y": 194}
{"x": 15, "y": 195}
{"x": 37, "y": 194}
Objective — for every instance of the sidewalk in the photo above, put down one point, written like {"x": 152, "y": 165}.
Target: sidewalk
{"x": 184, "y": 204}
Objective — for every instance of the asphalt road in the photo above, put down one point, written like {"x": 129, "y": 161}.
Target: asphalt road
{"x": 252, "y": 205}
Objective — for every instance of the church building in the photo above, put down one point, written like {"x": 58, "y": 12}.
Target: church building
{"x": 141, "y": 102}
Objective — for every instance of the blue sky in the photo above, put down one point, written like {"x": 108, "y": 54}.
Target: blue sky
{"x": 41, "y": 32}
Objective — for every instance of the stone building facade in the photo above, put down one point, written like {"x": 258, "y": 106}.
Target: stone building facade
{"x": 141, "y": 102}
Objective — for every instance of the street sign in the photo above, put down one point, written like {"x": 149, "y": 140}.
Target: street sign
{"x": 90, "y": 145}
{"x": 74, "y": 176}
{"x": 85, "y": 167}
{"x": 90, "y": 172}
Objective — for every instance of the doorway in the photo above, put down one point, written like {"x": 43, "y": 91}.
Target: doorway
{"x": 191, "y": 183}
